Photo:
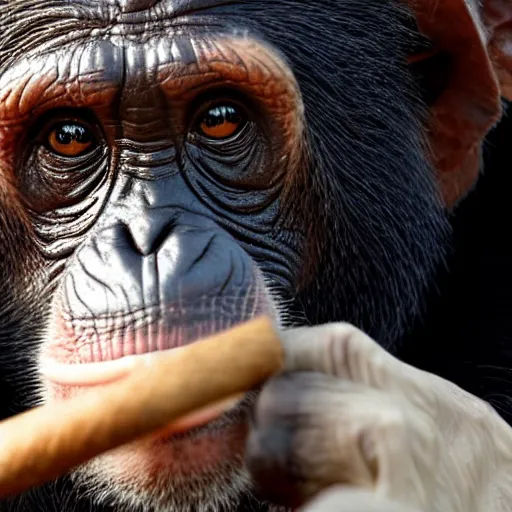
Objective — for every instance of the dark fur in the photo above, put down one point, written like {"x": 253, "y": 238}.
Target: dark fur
{"x": 467, "y": 336}
{"x": 378, "y": 244}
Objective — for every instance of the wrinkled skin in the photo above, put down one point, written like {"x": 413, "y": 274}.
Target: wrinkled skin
{"x": 172, "y": 168}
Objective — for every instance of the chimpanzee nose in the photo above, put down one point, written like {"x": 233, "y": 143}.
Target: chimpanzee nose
{"x": 128, "y": 6}
{"x": 136, "y": 266}
{"x": 148, "y": 233}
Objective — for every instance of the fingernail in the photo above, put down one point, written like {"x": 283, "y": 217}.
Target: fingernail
{"x": 267, "y": 458}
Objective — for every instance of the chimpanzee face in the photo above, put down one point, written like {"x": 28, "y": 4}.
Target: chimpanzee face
{"x": 178, "y": 167}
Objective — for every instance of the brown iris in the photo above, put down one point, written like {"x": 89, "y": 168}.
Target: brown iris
{"x": 222, "y": 122}
{"x": 70, "y": 139}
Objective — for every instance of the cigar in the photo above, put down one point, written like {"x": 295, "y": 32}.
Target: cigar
{"x": 49, "y": 441}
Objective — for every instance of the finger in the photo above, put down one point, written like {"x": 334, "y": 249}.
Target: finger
{"x": 345, "y": 352}
{"x": 307, "y": 435}
{"x": 349, "y": 499}
{"x": 311, "y": 431}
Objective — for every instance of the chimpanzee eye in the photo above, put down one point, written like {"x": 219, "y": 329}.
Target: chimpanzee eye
{"x": 222, "y": 122}
{"x": 70, "y": 139}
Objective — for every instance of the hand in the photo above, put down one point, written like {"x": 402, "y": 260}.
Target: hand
{"x": 346, "y": 412}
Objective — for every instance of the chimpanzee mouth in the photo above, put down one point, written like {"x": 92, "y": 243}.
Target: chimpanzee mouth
{"x": 96, "y": 351}
{"x": 64, "y": 375}
{"x": 91, "y": 374}
{"x": 95, "y": 364}
{"x": 64, "y": 380}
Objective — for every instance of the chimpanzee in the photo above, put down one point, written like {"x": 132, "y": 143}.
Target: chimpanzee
{"x": 170, "y": 168}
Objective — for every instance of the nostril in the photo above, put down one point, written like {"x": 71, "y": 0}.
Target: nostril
{"x": 147, "y": 237}
{"x": 129, "y": 6}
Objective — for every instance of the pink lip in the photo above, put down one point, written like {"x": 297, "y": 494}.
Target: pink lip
{"x": 92, "y": 374}
{"x": 200, "y": 418}
{"x": 62, "y": 375}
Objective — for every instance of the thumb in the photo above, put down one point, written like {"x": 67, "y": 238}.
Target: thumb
{"x": 342, "y": 351}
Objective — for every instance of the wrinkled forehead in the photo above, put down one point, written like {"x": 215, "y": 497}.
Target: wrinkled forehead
{"x": 169, "y": 7}
{"x": 28, "y": 26}
{"x": 115, "y": 8}
{"x": 93, "y": 75}
{"x": 125, "y": 15}
{"x": 84, "y": 51}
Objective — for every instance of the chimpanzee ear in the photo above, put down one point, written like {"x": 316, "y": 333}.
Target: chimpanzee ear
{"x": 497, "y": 20}
{"x": 468, "y": 68}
